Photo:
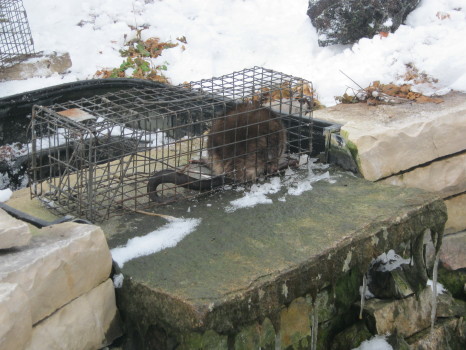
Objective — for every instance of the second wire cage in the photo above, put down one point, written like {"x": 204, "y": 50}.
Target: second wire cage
{"x": 133, "y": 149}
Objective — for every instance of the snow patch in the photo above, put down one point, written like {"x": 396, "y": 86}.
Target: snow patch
{"x": 5, "y": 195}
{"x": 118, "y": 280}
{"x": 94, "y": 31}
{"x": 440, "y": 288}
{"x": 378, "y": 342}
{"x": 294, "y": 182}
{"x": 165, "y": 237}
{"x": 389, "y": 261}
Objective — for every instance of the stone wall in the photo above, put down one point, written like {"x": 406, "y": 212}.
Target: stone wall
{"x": 55, "y": 291}
{"x": 411, "y": 145}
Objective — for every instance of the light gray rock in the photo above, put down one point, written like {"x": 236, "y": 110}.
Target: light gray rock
{"x": 88, "y": 322}
{"x": 15, "y": 317}
{"x": 392, "y": 138}
{"x": 440, "y": 176}
{"x": 60, "y": 264}
{"x": 13, "y": 232}
{"x": 456, "y": 207}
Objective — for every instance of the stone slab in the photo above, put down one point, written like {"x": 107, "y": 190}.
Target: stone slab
{"x": 392, "y": 138}
{"x": 447, "y": 175}
{"x": 60, "y": 264}
{"x": 13, "y": 232}
{"x": 243, "y": 266}
{"x": 15, "y": 317}
{"x": 456, "y": 207}
{"x": 88, "y": 322}
{"x": 44, "y": 65}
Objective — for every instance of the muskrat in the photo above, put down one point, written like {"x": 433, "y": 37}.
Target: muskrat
{"x": 244, "y": 144}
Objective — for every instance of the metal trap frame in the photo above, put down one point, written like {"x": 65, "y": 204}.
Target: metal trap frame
{"x": 16, "y": 42}
{"x": 96, "y": 157}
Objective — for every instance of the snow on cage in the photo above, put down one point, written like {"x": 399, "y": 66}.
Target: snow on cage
{"x": 134, "y": 149}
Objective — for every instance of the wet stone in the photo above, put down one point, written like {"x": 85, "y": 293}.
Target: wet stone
{"x": 404, "y": 317}
{"x": 449, "y": 334}
{"x": 351, "y": 337}
{"x": 265, "y": 265}
{"x": 295, "y": 323}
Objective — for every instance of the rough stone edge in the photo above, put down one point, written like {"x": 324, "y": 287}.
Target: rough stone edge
{"x": 264, "y": 297}
{"x": 61, "y": 332}
{"x": 36, "y": 293}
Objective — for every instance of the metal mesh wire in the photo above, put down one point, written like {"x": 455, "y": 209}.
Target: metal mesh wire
{"x": 94, "y": 157}
{"x": 16, "y": 42}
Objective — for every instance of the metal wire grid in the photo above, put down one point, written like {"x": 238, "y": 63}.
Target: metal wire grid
{"x": 99, "y": 166}
{"x": 16, "y": 42}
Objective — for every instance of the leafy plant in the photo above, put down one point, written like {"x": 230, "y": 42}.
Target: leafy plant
{"x": 138, "y": 55}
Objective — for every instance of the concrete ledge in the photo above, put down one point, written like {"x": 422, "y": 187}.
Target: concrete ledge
{"x": 59, "y": 265}
{"x": 242, "y": 268}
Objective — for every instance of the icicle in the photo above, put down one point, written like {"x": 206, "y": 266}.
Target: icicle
{"x": 363, "y": 294}
{"x": 434, "y": 292}
{"x": 315, "y": 325}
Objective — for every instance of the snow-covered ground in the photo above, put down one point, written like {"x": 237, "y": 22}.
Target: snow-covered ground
{"x": 225, "y": 36}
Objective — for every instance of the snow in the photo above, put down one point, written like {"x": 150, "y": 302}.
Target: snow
{"x": 225, "y": 36}
{"x": 376, "y": 343}
{"x": 5, "y": 195}
{"x": 293, "y": 181}
{"x": 118, "y": 280}
{"x": 165, "y": 237}
{"x": 389, "y": 261}
{"x": 440, "y": 288}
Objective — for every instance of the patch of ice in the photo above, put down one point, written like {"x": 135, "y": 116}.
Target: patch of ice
{"x": 165, "y": 237}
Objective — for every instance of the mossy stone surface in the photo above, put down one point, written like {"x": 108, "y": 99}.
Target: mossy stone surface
{"x": 240, "y": 267}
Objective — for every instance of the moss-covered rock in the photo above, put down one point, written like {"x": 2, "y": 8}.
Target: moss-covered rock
{"x": 454, "y": 281}
{"x": 351, "y": 337}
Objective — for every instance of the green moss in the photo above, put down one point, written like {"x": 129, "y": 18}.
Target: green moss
{"x": 248, "y": 338}
{"x": 347, "y": 289}
{"x": 267, "y": 335}
{"x": 454, "y": 281}
{"x": 210, "y": 340}
{"x": 351, "y": 337}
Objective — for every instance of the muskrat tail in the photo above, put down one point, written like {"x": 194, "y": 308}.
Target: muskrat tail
{"x": 182, "y": 180}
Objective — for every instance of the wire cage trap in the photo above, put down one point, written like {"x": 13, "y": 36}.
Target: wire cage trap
{"x": 141, "y": 147}
{"x": 15, "y": 35}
